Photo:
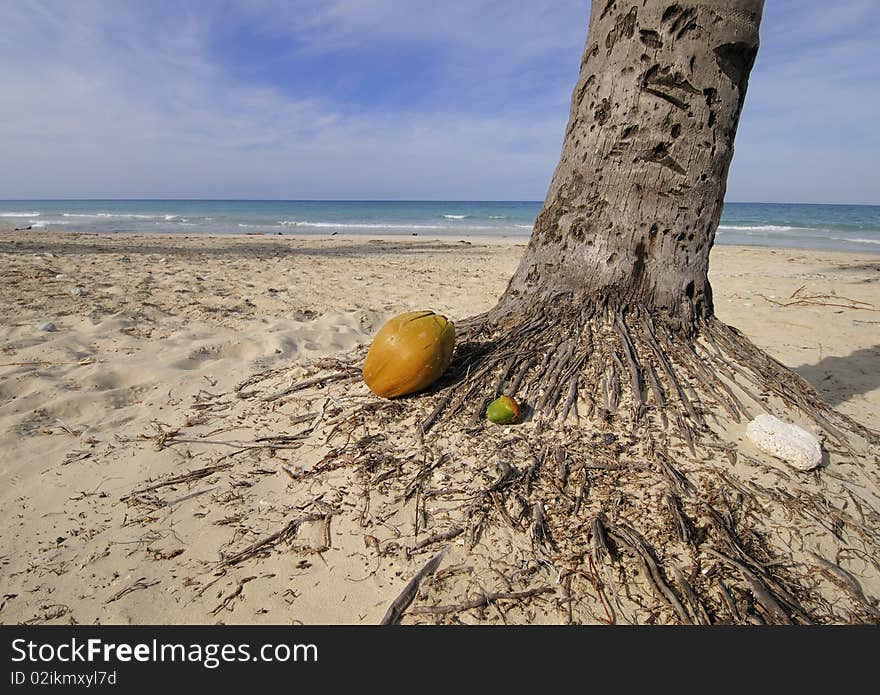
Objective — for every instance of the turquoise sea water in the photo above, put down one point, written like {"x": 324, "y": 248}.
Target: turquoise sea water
{"x": 840, "y": 227}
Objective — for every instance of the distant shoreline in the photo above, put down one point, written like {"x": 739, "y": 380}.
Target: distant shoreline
{"x": 9, "y": 234}
{"x": 777, "y": 225}
{"x": 451, "y": 237}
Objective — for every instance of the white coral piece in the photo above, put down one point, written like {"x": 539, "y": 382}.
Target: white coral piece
{"x": 791, "y": 443}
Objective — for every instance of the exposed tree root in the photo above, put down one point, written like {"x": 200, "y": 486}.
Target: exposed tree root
{"x": 629, "y": 487}
{"x": 634, "y": 455}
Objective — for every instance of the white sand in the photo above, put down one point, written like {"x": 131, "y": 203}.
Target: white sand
{"x": 161, "y": 326}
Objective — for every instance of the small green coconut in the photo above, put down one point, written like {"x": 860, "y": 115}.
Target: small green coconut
{"x": 503, "y": 411}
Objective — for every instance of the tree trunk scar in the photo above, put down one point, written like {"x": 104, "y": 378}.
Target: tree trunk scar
{"x": 736, "y": 60}
{"x": 650, "y": 38}
{"x": 624, "y": 27}
{"x": 675, "y": 87}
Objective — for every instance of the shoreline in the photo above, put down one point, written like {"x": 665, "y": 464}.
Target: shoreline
{"x": 491, "y": 239}
{"x": 482, "y": 238}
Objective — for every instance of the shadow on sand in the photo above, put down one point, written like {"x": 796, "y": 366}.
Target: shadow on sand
{"x": 824, "y": 375}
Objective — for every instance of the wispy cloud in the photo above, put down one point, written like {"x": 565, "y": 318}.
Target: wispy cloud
{"x": 808, "y": 129}
{"x": 382, "y": 98}
{"x": 130, "y": 99}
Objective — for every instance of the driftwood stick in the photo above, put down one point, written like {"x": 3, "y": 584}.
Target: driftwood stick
{"x": 288, "y": 532}
{"x": 314, "y": 381}
{"x": 681, "y": 523}
{"x": 183, "y": 478}
{"x": 401, "y": 603}
{"x": 531, "y": 473}
{"x": 436, "y": 538}
{"x": 845, "y": 579}
{"x": 257, "y": 378}
{"x": 190, "y": 496}
{"x": 570, "y": 401}
{"x": 728, "y": 599}
{"x": 540, "y": 533}
{"x": 141, "y": 583}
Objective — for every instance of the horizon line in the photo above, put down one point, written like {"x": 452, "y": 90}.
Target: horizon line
{"x": 366, "y": 200}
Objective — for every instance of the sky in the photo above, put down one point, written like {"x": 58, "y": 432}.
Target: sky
{"x": 386, "y": 99}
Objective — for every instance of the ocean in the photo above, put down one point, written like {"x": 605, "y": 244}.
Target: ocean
{"x": 782, "y": 225}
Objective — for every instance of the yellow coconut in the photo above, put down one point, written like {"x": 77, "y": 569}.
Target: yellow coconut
{"x": 409, "y": 353}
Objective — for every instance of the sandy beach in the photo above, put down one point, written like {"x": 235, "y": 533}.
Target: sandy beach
{"x": 111, "y": 343}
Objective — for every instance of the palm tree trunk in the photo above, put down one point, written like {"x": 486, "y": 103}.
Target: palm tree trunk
{"x": 634, "y": 203}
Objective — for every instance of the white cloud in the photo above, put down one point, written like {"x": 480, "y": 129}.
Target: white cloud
{"x": 807, "y": 133}
{"x": 115, "y": 100}
{"x": 132, "y": 98}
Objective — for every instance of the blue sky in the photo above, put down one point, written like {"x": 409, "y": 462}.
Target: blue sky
{"x": 387, "y": 99}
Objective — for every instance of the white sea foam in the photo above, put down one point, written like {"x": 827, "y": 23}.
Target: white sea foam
{"x": 129, "y": 216}
{"x": 759, "y": 228}
{"x": 856, "y": 240}
{"x": 343, "y": 225}
{"x": 497, "y": 217}
{"x": 108, "y": 215}
{"x": 455, "y": 217}
{"x": 19, "y": 214}
{"x": 407, "y": 227}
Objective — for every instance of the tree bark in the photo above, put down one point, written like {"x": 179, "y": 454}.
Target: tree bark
{"x": 634, "y": 203}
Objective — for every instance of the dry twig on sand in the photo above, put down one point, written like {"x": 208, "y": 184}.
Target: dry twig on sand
{"x": 800, "y": 298}
{"x": 401, "y": 603}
